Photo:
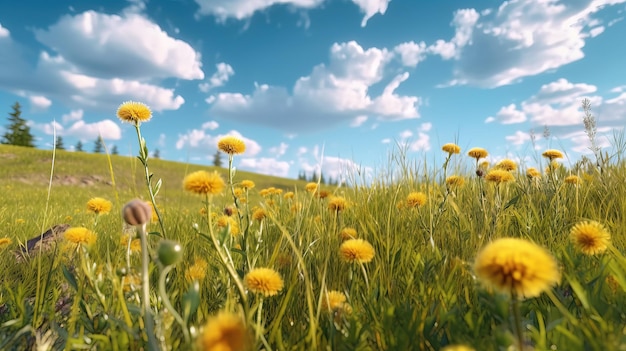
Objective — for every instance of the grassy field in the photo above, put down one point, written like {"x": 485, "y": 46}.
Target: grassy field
{"x": 388, "y": 266}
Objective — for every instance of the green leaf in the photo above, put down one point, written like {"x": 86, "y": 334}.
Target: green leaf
{"x": 191, "y": 300}
{"x": 70, "y": 277}
{"x": 157, "y": 187}
{"x": 155, "y": 234}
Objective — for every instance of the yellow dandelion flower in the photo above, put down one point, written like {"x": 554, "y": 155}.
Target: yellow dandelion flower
{"x": 499, "y": 176}
{"x": 552, "y": 154}
{"x": 289, "y": 195}
{"x": 573, "y": 180}
{"x": 337, "y": 204}
{"x": 265, "y": 281}
{"x": 4, "y": 242}
{"x": 477, "y": 153}
{"x": 517, "y": 267}
{"x": 197, "y": 271}
{"x": 134, "y": 112}
{"x": 131, "y": 282}
{"x": 507, "y": 165}
{"x": 553, "y": 166}
{"x": 99, "y": 205}
{"x": 356, "y": 250}
{"x": 265, "y": 192}
{"x": 455, "y": 181}
{"x": 259, "y": 214}
{"x": 590, "y": 237}
{"x": 451, "y": 148}
{"x": 203, "y": 182}
{"x": 311, "y": 187}
{"x": 226, "y": 221}
{"x": 80, "y": 235}
{"x": 154, "y": 216}
{"x": 532, "y": 173}
{"x": 277, "y": 192}
{"x": 457, "y": 348}
{"x": 231, "y": 145}
{"x": 334, "y": 300}
{"x": 348, "y": 233}
{"x": 484, "y": 165}
{"x": 225, "y": 332}
{"x": 135, "y": 244}
{"x": 322, "y": 194}
{"x": 295, "y": 207}
{"x": 247, "y": 184}
{"x": 416, "y": 199}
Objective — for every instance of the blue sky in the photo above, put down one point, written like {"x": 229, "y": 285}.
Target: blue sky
{"x": 336, "y": 83}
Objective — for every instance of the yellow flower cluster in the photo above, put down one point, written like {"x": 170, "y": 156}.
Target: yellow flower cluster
{"x": 356, "y": 251}
{"x": 337, "y": 203}
{"x": 590, "y": 237}
{"x": 416, "y": 199}
{"x": 265, "y": 281}
{"x": 231, "y": 145}
{"x": 134, "y": 112}
{"x": 477, "y": 153}
{"x": 204, "y": 183}
{"x": 499, "y": 176}
{"x": 80, "y": 235}
{"x": 197, "y": 271}
{"x": 99, "y": 205}
{"x": 225, "y": 332}
{"x": 451, "y": 148}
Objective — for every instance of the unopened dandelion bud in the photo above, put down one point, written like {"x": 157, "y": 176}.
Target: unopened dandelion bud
{"x": 137, "y": 212}
{"x": 170, "y": 252}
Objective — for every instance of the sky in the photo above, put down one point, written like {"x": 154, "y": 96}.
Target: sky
{"x": 307, "y": 84}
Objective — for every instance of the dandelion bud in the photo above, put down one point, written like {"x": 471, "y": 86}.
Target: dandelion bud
{"x": 480, "y": 172}
{"x": 228, "y": 211}
{"x": 170, "y": 252}
{"x": 137, "y": 212}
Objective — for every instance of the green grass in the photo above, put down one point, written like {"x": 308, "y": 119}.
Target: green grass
{"x": 419, "y": 292}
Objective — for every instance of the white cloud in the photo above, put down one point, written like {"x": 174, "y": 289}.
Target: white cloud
{"x": 464, "y": 22}
{"x": 518, "y": 138}
{"x": 405, "y": 134}
{"x": 330, "y": 94}
{"x": 161, "y": 141}
{"x": 337, "y": 168}
{"x": 74, "y": 115}
{"x": 223, "y": 73}
{"x": 50, "y": 128}
{"x": 521, "y": 38}
{"x": 210, "y": 125}
{"x": 386, "y": 141}
{"x": 582, "y": 144}
{"x": 264, "y": 165}
{"x": 4, "y": 33}
{"x": 39, "y": 102}
{"x": 90, "y": 131}
{"x": 199, "y": 140}
{"x": 358, "y": 121}
{"x": 371, "y": 7}
{"x": 508, "y": 115}
{"x": 411, "y": 53}
{"x": 279, "y": 150}
{"x": 421, "y": 144}
{"x": 425, "y": 127}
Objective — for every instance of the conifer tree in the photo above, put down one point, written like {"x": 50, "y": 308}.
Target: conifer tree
{"x": 59, "y": 143}
{"x": 217, "y": 159}
{"x": 98, "y": 145}
{"x": 18, "y": 131}
{"x": 79, "y": 146}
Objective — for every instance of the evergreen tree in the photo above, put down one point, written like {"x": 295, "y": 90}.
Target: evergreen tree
{"x": 18, "y": 132}
{"x": 114, "y": 150}
{"x": 156, "y": 153}
{"x": 217, "y": 159}
{"x": 322, "y": 180}
{"x": 59, "y": 143}
{"x": 79, "y": 146}
{"x": 98, "y": 145}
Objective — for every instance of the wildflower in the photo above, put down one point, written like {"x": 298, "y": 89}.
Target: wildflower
{"x": 590, "y": 237}
{"x": 197, "y": 271}
{"x": 289, "y": 195}
{"x": 259, "y": 214}
{"x": 477, "y": 153}
{"x": 135, "y": 244}
{"x": 553, "y": 166}
{"x": 203, "y": 182}
{"x": 337, "y": 204}
{"x": 356, "y": 250}
{"x": 573, "y": 180}
{"x": 247, "y": 184}
{"x": 80, "y": 235}
{"x": 226, "y": 221}
{"x": 334, "y": 300}
{"x": 455, "y": 181}
{"x": 348, "y": 233}
{"x": 322, "y": 194}
{"x": 451, "y": 148}
{"x": 507, "y": 165}
{"x": 265, "y": 281}
{"x": 134, "y": 112}
{"x": 225, "y": 332}
{"x": 552, "y": 154}
{"x": 311, "y": 187}
{"x": 499, "y": 176}
{"x": 131, "y": 282}
{"x": 99, "y": 205}
{"x": 295, "y": 207}
{"x": 137, "y": 212}
{"x": 265, "y": 192}
{"x": 231, "y": 145}
{"x": 154, "y": 216}
{"x": 532, "y": 173}
{"x": 484, "y": 164}
{"x": 5, "y": 242}
{"x": 517, "y": 267}
{"x": 416, "y": 199}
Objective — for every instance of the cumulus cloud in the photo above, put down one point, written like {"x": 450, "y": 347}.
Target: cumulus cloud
{"x": 582, "y": 144}
{"x": 210, "y": 125}
{"x": 331, "y": 94}
{"x": 4, "y": 33}
{"x": 521, "y": 38}
{"x": 411, "y": 53}
{"x": 108, "y": 129}
{"x": 508, "y": 115}
{"x": 265, "y": 165}
{"x": 279, "y": 150}
{"x": 39, "y": 102}
{"x": 222, "y": 74}
{"x": 358, "y": 121}
{"x": 336, "y": 168}
{"x": 518, "y": 138}
{"x": 199, "y": 140}
{"x": 74, "y": 115}
{"x": 371, "y": 8}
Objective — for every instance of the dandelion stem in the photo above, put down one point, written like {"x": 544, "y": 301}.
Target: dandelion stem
{"x": 168, "y": 304}
{"x": 517, "y": 321}
{"x": 145, "y": 285}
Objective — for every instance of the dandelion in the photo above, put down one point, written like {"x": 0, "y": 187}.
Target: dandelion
{"x": 334, "y": 300}
{"x": 4, "y": 242}
{"x": 80, "y": 235}
{"x": 247, "y": 184}
{"x": 197, "y": 271}
{"x": 322, "y": 194}
{"x": 573, "y": 180}
{"x": 289, "y": 195}
{"x": 231, "y": 145}
{"x": 552, "y": 167}
{"x": 590, "y": 237}
{"x": 348, "y": 233}
{"x": 137, "y": 212}
{"x": 228, "y": 222}
{"x": 155, "y": 216}
{"x": 225, "y": 332}
{"x": 204, "y": 183}
{"x": 265, "y": 192}
{"x": 259, "y": 214}
{"x": 99, "y": 205}
{"x": 477, "y": 153}
{"x": 134, "y": 112}
{"x": 131, "y": 282}
{"x": 455, "y": 181}
{"x": 311, "y": 187}
{"x": 507, "y": 165}
{"x": 499, "y": 176}
{"x": 356, "y": 250}
{"x": 552, "y": 154}
{"x": 265, "y": 281}
{"x": 532, "y": 173}
{"x": 416, "y": 199}
{"x": 517, "y": 267}
{"x": 135, "y": 244}
{"x": 337, "y": 204}
{"x": 451, "y": 148}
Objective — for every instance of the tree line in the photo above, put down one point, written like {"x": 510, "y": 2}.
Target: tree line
{"x": 18, "y": 133}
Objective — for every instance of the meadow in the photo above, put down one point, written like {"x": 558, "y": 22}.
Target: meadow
{"x": 458, "y": 256}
